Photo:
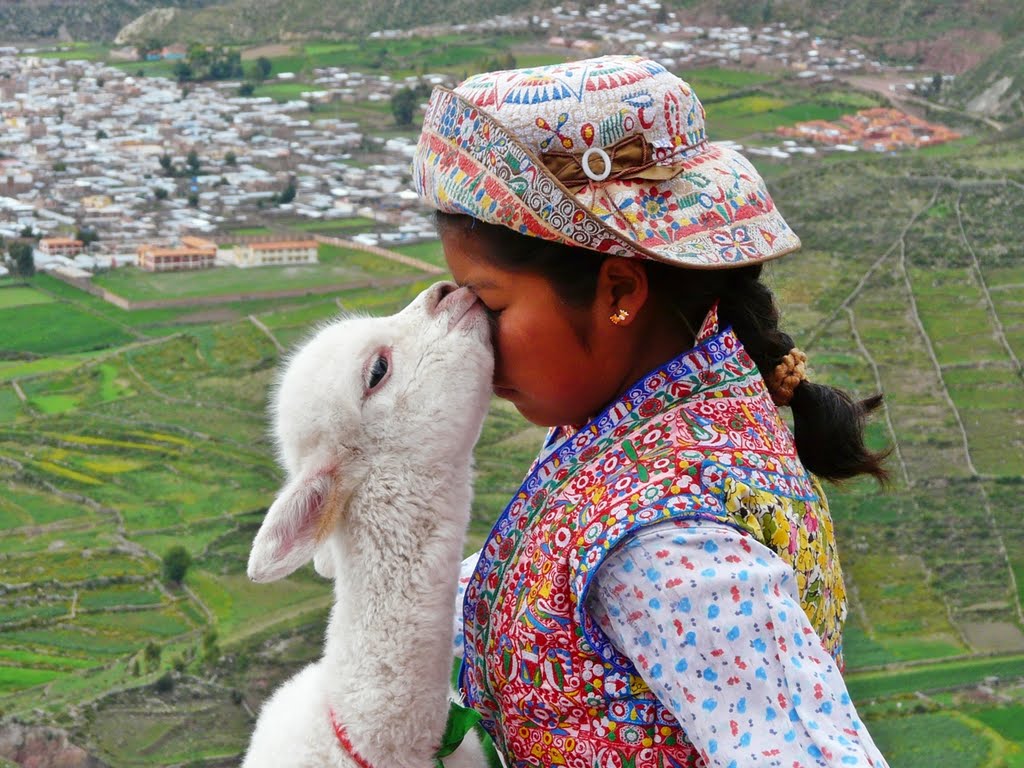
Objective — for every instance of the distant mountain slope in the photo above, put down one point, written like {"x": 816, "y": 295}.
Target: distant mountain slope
{"x": 263, "y": 20}
{"x": 911, "y": 24}
{"x": 876, "y": 19}
{"x": 75, "y": 19}
{"x": 994, "y": 87}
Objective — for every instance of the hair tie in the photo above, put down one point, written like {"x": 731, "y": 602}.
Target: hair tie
{"x": 787, "y": 376}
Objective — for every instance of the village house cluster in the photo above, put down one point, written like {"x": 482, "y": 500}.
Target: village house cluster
{"x": 878, "y": 130}
{"x": 81, "y": 147}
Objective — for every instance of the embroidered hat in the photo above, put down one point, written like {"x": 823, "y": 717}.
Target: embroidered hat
{"x": 608, "y": 154}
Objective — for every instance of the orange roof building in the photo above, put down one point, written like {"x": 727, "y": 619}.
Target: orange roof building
{"x": 60, "y": 246}
{"x": 193, "y": 253}
{"x": 880, "y": 129}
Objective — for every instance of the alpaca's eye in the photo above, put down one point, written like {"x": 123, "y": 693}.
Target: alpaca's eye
{"x": 378, "y": 371}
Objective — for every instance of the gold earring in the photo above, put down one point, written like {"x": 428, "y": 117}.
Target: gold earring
{"x": 619, "y": 316}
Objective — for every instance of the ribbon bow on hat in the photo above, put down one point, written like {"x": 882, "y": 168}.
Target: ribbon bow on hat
{"x": 628, "y": 158}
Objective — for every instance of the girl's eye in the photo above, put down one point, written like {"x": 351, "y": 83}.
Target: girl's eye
{"x": 378, "y": 371}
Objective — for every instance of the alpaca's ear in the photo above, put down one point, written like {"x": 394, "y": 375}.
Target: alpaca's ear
{"x": 323, "y": 562}
{"x": 294, "y": 525}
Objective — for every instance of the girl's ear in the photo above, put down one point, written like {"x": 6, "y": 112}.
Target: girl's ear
{"x": 621, "y": 285}
{"x": 295, "y": 524}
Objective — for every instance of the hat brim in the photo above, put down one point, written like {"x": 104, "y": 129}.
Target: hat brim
{"x": 715, "y": 213}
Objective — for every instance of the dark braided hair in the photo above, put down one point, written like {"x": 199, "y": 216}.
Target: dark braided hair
{"x": 828, "y": 425}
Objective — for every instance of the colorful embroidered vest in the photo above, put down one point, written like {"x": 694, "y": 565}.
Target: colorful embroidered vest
{"x": 697, "y": 438}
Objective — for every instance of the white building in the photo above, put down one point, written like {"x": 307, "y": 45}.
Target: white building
{"x": 273, "y": 253}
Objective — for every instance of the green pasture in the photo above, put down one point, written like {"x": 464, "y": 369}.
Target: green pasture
{"x": 135, "y": 735}
{"x": 194, "y": 536}
{"x": 141, "y": 625}
{"x": 161, "y": 68}
{"x": 30, "y": 328}
{"x": 64, "y": 638}
{"x": 933, "y": 677}
{"x": 17, "y": 614}
{"x": 1007, "y": 720}
{"x": 748, "y": 115}
{"x": 119, "y": 595}
{"x": 16, "y": 678}
{"x": 19, "y": 297}
{"x": 283, "y": 90}
{"x": 956, "y": 316}
{"x": 303, "y": 318}
{"x": 736, "y": 79}
{"x": 70, "y": 567}
{"x": 915, "y": 741}
{"x": 905, "y": 615}
{"x": 16, "y": 369}
{"x": 22, "y": 505}
{"x": 243, "y": 607}
{"x": 87, "y": 51}
{"x": 13, "y": 657}
{"x": 339, "y": 266}
{"x": 430, "y": 251}
{"x": 335, "y": 226}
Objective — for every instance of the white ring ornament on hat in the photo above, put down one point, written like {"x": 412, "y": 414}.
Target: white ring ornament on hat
{"x": 585, "y": 162}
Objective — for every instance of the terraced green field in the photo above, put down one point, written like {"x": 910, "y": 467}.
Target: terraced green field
{"x": 137, "y": 431}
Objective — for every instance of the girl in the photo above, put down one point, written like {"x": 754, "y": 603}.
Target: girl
{"x": 663, "y": 590}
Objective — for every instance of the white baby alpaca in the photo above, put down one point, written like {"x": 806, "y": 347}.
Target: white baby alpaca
{"x": 376, "y": 419}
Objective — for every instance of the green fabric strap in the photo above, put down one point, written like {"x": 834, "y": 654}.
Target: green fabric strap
{"x": 460, "y": 721}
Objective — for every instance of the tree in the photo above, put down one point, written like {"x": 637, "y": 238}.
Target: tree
{"x": 160, "y": 193}
{"x": 24, "y": 262}
{"x": 230, "y": 158}
{"x": 192, "y": 160}
{"x": 288, "y": 193}
{"x": 182, "y": 71}
{"x": 101, "y": 134}
{"x": 165, "y": 684}
{"x": 176, "y": 564}
{"x": 27, "y": 231}
{"x": 245, "y": 90}
{"x": 87, "y": 235}
{"x": 167, "y": 163}
{"x": 263, "y": 68}
{"x": 403, "y": 106}
{"x": 193, "y": 199}
{"x": 211, "y": 650}
{"x": 152, "y": 654}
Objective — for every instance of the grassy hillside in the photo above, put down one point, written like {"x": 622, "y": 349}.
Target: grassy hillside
{"x": 994, "y": 87}
{"x": 143, "y": 430}
{"x": 873, "y": 19}
{"x": 263, "y": 20}
{"x": 75, "y": 19}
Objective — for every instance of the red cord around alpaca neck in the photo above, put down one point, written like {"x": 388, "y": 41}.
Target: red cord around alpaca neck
{"x": 346, "y": 744}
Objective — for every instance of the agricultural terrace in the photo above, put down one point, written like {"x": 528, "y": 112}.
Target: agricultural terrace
{"x": 137, "y": 431}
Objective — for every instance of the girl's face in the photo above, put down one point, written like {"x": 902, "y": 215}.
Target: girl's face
{"x": 551, "y": 360}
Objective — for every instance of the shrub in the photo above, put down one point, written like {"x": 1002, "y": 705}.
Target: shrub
{"x": 176, "y": 564}
{"x": 165, "y": 683}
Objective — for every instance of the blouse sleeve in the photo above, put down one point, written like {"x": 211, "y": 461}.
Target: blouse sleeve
{"x": 711, "y": 620}
{"x": 466, "y": 573}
